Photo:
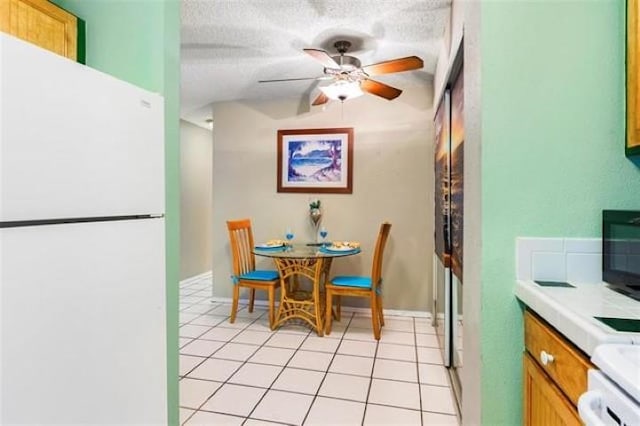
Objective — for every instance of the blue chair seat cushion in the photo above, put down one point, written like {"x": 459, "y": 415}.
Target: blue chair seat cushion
{"x": 260, "y": 275}
{"x": 352, "y": 281}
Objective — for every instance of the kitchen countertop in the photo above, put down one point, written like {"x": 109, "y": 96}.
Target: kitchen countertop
{"x": 571, "y": 311}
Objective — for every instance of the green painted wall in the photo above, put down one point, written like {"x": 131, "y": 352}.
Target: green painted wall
{"x": 139, "y": 41}
{"x": 552, "y": 155}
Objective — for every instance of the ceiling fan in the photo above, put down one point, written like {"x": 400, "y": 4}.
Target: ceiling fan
{"x": 349, "y": 78}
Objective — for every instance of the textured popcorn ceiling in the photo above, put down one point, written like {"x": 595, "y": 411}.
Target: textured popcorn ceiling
{"x": 228, "y": 45}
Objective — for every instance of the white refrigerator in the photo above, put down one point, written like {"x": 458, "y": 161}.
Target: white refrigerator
{"x": 82, "y": 246}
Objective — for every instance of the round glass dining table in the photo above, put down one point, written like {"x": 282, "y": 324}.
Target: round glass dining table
{"x": 302, "y": 260}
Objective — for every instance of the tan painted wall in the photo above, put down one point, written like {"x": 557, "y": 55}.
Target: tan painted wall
{"x": 196, "y": 158}
{"x": 393, "y": 180}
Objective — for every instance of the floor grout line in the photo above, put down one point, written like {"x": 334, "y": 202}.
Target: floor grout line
{"x": 415, "y": 336}
{"x": 223, "y": 383}
{"x": 280, "y": 373}
{"x": 373, "y": 368}
{"x": 351, "y": 326}
{"x": 307, "y": 394}
{"x": 315, "y": 397}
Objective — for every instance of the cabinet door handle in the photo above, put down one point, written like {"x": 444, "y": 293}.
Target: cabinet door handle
{"x": 546, "y": 358}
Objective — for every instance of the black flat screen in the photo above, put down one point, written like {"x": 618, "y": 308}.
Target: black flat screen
{"x": 621, "y": 249}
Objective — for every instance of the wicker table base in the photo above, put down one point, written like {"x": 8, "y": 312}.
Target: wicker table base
{"x": 302, "y": 304}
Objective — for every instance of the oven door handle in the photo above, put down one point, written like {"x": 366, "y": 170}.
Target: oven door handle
{"x": 589, "y": 404}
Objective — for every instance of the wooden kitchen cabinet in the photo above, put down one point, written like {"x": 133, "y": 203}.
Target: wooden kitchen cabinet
{"x": 555, "y": 375}
{"x": 41, "y": 23}
{"x": 544, "y": 403}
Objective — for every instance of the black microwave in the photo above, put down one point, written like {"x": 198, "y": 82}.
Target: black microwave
{"x": 621, "y": 250}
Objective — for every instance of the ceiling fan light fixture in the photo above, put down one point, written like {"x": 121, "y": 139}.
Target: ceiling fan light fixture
{"x": 342, "y": 90}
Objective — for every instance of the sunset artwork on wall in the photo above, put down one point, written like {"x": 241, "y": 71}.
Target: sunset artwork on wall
{"x": 456, "y": 188}
{"x": 315, "y": 160}
{"x": 442, "y": 181}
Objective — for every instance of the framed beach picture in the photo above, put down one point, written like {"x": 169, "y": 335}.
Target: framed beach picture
{"x": 315, "y": 160}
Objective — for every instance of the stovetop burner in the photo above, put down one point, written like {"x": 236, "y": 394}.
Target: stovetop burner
{"x": 624, "y": 292}
{"x": 553, "y": 284}
{"x": 621, "y": 324}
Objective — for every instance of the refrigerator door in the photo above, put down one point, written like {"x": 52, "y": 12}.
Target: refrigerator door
{"x": 83, "y": 324}
{"x": 75, "y": 142}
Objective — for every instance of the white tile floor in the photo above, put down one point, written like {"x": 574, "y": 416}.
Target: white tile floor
{"x": 244, "y": 374}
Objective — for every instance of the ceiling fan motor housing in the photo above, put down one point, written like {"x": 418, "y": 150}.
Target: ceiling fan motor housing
{"x": 347, "y": 63}
{"x": 342, "y": 46}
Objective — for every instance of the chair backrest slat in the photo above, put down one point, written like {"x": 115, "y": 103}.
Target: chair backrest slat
{"x": 241, "y": 239}
{"x": 376, "y": 268}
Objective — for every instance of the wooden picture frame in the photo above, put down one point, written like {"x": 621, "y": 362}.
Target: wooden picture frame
{"x": 632, "y": 144}
{"x": 315, "y": 160}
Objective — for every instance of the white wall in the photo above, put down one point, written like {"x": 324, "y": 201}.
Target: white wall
{"x": 196, "y": 158}
{"x": 393, "y": 180}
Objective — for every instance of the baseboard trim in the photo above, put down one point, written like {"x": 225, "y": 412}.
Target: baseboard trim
{"x": 196, "y": 278}
{"x": 390, "y": 312}
{"x": 256, "y": 302}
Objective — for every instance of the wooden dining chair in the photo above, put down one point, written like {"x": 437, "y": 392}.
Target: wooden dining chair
{"x": 361, "y": 286}
{"x": 245, "y": 273}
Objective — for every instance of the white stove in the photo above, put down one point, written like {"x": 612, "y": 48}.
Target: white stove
{"x": 613, "y": 396}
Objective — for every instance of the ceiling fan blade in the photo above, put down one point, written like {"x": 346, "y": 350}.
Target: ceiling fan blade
{"x": 322, "y": 77}
{"x": 323, "y": 57}
{"x": 321, "y": 99}
{"x": 380, "y": 89}
{"x": 395, "y": 65}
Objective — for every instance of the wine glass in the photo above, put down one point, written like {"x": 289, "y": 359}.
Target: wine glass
{"x": 289, "y": 234}
{"x": 323, "y": 234}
